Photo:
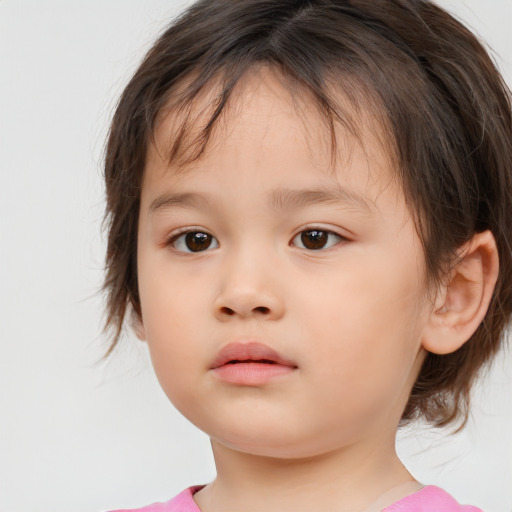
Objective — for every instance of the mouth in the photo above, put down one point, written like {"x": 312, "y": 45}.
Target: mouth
{"x": 261, "y": 361}
{"x": 250, "y": 352}
{"x": 250, "y": 364}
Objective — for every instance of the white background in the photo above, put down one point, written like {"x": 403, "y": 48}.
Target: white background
{"x": 77, "y": 435}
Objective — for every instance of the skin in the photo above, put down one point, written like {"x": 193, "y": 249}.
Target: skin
{"x": 354, "y": 316}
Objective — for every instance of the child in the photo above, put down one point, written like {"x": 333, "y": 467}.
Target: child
{"x": 309, "y": 208}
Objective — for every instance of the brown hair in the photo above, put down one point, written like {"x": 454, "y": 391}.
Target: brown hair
{"x": 427, "y": 78}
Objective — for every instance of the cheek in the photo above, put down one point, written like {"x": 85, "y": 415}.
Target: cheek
{"x": 367, "y": 340}
{"x": 172, "y": 312}
{"x": 170, "y": 298}
{"x": 369, "y": 318}
{"x": 177, "y": 358}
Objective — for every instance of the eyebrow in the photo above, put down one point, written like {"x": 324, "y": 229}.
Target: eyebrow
{"x": 279, "y": 200}
{"x": 181, "y": 200}
{"x": 283, "y": 199}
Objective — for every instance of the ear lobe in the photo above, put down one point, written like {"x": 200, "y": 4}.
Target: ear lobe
{"x": 463, "y": 302}
{"x": 137, "y": 325}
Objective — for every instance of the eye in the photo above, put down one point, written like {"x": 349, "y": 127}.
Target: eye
{"x": 193, "y": 241}
{"x": 316, "y": 239}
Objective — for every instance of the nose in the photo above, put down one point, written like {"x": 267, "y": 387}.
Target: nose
{"x": 248, "y": 289}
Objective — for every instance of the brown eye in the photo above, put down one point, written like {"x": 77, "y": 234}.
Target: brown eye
{"x": 316, "y": 239}
{"x": 194, "y": 241}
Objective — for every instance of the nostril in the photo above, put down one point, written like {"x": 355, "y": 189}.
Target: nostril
{"x": 225, "y": 310}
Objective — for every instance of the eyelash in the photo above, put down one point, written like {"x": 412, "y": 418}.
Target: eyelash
{"x": 309, "y": 229}
{"x": 172, "y": 240}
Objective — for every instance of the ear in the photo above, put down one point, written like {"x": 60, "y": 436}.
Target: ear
{"x": 136, "y": 324}
{"x": 462, "y": 302}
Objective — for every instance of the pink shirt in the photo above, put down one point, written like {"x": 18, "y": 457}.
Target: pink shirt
{"x": 428, "y": 499}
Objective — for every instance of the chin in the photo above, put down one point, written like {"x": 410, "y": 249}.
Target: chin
{"x": 278, "y": 446}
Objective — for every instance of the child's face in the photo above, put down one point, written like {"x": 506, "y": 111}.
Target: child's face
{"x": 346, "y": 305}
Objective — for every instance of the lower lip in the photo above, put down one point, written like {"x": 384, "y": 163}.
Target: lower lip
{"x": 251, "y": 374}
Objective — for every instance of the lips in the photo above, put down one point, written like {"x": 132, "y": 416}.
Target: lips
{"x": 247, "y": 352}
{"x": 251, "y": 364}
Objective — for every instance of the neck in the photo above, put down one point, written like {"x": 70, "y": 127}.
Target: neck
{"x": 349, "y": 479}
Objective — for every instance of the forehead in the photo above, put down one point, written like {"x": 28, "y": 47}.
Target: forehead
{"x": 329, "y": 122}
{"x": 275, "y": 122}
